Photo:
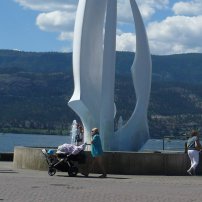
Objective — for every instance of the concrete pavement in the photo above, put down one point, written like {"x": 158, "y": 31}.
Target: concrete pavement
{"x": 37, "y": 186}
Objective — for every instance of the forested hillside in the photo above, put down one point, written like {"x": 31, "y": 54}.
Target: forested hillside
{"x": 35, "y": 89}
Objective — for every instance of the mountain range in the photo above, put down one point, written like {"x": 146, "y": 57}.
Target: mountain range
{"x": 35, "y": 88}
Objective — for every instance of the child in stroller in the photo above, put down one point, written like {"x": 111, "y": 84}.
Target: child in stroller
{"x": 64, "y": 157}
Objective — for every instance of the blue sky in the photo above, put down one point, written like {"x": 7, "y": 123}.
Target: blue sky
{"x": 173, "y": 26}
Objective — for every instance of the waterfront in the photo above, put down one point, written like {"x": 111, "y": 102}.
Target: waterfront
{"x": 9, "y": 140}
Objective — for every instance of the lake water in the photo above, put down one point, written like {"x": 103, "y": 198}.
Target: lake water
{"x": 167, "y": 144}
{"x": 8, "y": 141}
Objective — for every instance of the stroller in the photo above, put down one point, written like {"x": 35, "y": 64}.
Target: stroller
{"x": 63, "y": 162}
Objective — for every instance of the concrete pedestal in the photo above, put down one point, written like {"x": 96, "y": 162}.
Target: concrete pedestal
{"x": 131, "y": 163}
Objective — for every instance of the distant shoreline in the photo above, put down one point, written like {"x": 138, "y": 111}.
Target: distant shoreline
{"x": 58, "y": 132}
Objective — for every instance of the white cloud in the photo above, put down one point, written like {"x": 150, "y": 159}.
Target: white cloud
{"x": 174, "y": 34}
{"x": 147, "y": 9}
{"x": 177, "y": 34}
{"x": 188, "y": 8}
{"x": 58, "y": 21}
{"x": 59, "y": 15}
{"x": 49, "y": 5}
{"x": 126, "y": 42}
{"x": 66, "y": 36}
{"x": 124, "y": 11}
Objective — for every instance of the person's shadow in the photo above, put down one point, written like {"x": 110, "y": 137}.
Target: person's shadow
{"x": 90, "y": 177}
{"x": 7, "y": 171}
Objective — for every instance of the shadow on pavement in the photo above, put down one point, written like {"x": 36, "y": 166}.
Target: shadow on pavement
{"x": 108, "y": 177}
{"x": 7, "y": 171}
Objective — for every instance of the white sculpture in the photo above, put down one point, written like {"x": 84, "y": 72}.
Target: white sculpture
{"x": 94, "y": 74}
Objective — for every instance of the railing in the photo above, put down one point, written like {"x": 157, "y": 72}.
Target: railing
{"x": 167, "y": 143}
{"x": 174, "y": 140}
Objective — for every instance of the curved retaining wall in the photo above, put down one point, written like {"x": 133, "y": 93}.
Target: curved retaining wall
{"x": 132, "y": 163}
{"x": 29, "y": 158}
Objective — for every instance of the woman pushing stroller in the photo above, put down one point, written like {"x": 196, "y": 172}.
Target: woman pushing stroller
{"x": 97, "y": 153}
{"x": 69, "y": 152}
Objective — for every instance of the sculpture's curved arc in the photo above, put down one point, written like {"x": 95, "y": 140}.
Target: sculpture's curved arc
{"x": 135, "y": 133}
{"x": 87, "y": 62}
{"x": 108, "y": 75}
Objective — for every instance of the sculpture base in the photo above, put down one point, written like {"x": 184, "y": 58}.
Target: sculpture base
{"x": 128, "y": 163}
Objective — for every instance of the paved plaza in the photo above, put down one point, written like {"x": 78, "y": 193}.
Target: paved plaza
{"x": 38, "y": 186}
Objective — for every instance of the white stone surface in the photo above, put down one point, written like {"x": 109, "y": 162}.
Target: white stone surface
{"x": 88, "y": 62}
{"x": 108, "y": 75}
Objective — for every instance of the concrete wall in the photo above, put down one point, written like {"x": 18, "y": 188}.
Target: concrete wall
{"x": 29, "y": 158}
{"x": 115, "y": 162}
{"x": 147, "y": 163}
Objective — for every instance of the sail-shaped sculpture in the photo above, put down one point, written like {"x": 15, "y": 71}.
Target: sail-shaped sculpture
{"x": 108, "y": 75}
{"x": 94, "y": 75}
{"x": 135, "y": 133}
{"x": 88, "y": 62}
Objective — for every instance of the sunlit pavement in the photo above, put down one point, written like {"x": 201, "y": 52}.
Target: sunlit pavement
{"x": 31, "y": 185}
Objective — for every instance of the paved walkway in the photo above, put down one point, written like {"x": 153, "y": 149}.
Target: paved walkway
{"x": 38, "y": 186}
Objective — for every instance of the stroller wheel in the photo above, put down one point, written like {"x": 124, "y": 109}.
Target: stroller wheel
{"x": 73, "y": 171}
{"x": 51, "y": 171}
